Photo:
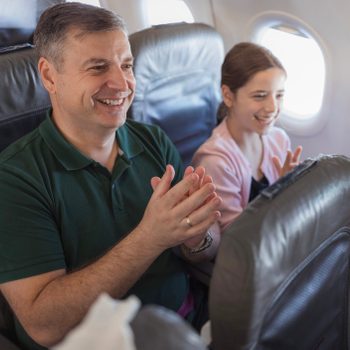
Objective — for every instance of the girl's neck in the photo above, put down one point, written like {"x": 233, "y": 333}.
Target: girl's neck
{"x": 251, "y": 146}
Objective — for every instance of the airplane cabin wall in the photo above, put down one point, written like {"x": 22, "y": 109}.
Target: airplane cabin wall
{"x": 132, "y": 11}
{"x": 330, "y": 20}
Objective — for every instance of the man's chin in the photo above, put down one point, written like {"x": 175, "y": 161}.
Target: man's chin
{"x": 112, "y": 117}
{"x": 116, "y": 124}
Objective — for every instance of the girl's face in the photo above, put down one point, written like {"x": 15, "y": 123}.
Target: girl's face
{"x": 256, "y": 105}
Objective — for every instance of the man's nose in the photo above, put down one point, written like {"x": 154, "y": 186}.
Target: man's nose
{"x": 117, "y": 79}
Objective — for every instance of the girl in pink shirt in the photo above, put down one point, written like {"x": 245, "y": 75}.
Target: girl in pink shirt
{"x": 246, "y": 152}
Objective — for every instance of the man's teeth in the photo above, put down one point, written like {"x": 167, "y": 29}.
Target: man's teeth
{"x": 110, "y": 102}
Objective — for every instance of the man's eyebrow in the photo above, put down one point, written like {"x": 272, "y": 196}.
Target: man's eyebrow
{"x": 99, "y": 61}
{"x": 94, "y": 61}
{"x": 129, "y": 58}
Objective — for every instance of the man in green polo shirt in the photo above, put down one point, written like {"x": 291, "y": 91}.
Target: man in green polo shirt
{"x": 90, "y": 202}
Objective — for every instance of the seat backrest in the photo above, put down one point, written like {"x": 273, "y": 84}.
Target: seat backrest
{"x": 6, "y": 320}
{"x": 23, "y": 99}
{"x": 177, "y": 70}
{"x": 281, "y": 279}
{"x": 6, "y": 344}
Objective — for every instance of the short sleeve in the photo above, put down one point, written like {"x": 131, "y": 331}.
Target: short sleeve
{"x": 29, "y": 237}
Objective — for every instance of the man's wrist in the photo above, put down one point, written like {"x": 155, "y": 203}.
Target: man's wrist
{"x": 206, "y": 243}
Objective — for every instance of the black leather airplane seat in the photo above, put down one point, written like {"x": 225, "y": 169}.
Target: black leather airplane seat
{"x": 177, "y": 69}
{"x": 18, "y": 20}
{"x": 23, "y": 100}
{"x": 281, "y": 279}
{"x": 157, "y": 328}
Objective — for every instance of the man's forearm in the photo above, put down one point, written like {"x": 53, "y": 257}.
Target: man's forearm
{"x": 63, "y": 301}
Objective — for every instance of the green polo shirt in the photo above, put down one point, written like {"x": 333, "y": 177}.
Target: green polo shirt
{"x": 60, "y": 209}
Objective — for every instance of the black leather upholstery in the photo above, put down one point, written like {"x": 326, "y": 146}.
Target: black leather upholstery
{"x": 24, "y": 100}
{"x": 6, "y": 322}
{"x": 18, "y": 20}
{"x": 177, "y": 69}
{"x": 281, "y": 279}
{"x": 157, "y": 328}
{"x": 6, "y": 344}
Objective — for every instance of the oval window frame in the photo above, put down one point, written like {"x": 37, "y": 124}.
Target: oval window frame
{"x": 297, "y": 126}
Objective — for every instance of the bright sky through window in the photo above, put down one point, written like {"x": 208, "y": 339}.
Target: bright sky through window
{"x": 303, "y": 60}
{"x": 170, "y": 11}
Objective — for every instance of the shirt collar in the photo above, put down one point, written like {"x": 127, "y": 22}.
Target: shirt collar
{"x": 130, "y": 145}
{"x": 71, "y": 158}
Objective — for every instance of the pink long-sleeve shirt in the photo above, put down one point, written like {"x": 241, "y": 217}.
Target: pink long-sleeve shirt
{"x": 231, "y": 171}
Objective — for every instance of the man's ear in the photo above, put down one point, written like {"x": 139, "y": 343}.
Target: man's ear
{"x": 47, "y": 73}
{"x": 227, "y": 95}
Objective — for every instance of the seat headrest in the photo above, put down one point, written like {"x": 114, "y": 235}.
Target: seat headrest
{"x": 177, "y": 70}
{"x": 18, "y": 20}
{"x": 172, "y": 49}
{"x": 23, "y": 100}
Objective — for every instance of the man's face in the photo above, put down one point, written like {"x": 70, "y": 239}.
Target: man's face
{"x": 95, "y": 85}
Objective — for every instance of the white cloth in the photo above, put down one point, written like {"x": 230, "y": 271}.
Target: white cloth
{"x": 206, "y": 333}
{"x": 106, "y": 326}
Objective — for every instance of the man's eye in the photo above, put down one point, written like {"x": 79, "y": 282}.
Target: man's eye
{"x": 128, "y": 66}
{"x": 98, "y": 68}
{"x": 259, "y": 96}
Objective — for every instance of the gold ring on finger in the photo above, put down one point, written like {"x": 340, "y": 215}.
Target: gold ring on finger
{"x": 188, "y": 221}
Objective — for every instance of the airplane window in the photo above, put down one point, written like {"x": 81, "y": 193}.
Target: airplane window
{"x": 160, "y": 12}
{"x": 305, "y": 65}
{"x": 88, "y": 2}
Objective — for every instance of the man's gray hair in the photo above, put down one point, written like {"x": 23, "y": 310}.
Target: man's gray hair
{"x": 56, "y": 21}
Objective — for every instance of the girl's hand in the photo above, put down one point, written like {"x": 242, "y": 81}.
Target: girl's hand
{"x": 292, "y": 160}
